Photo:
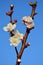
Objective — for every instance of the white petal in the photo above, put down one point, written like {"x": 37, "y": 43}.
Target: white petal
{"x": 14, "y": 26}
{"x": 24, "y": 18}
{"x": 18, "y": 34}
{"x": 30, "y": 25}
{"x": 14, "y": 41}
{"x": 27, "y": 19}
{"x": 5, "y": 29}
{"x": 28, "y": 22}
{"x": 9, "y": 27}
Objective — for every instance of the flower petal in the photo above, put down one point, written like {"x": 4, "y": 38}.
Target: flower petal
{"x": 5, "y": 29}
{"x": 9, "y": 27}
{"x": 28, "y": 22}
{"x": 16, "y": 39}
{"x": 30, "y": 25}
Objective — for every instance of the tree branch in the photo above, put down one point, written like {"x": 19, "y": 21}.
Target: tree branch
{"x": 13, "y": 22}
{"x": 26, "y": 34}
{"x": 16, "y": 50}
{"x": 33, "y": 5}
{"x": 24, "y": 45}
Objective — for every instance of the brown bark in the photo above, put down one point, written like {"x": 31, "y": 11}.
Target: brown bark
{"x": 26, "y": 35}
{"x": 33, "y": 5}
{"x": 23, "y": 46}
{"x": 19, "y": 55}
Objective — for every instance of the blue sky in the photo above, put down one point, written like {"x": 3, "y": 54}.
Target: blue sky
{"x": 33, "y": 55}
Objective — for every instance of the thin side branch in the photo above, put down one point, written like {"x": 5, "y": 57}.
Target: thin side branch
{"x": 33, "y": 5}
{"x": 10, "y": 14}
{"x": 16, "y": 50}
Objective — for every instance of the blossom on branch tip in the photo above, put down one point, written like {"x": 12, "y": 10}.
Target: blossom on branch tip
{"x": 9, "y": 27}
{"x": 16, "y": 39}
{"x": 28, "y": 21}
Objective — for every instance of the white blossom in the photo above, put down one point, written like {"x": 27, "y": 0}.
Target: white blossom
{"x": 9, "y": 27}
{"x": 16, "y": 39}
{"x": 17, "y": 33}
{"x": 28, "y": 21}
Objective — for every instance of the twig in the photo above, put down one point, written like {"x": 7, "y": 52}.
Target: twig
{"x": 16, "y": 50}
{"x": 10, "y": 14}
{"x": 33, "y": 5}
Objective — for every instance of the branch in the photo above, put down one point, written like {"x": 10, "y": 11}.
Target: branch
{"x": 9, "y": 13}
{"x": 16, "y": 50}
{"x": 24, "y": 45}
{"x": 24, "y": 42}
{"x": 33, "y": 5}
{"x": 13, "y": 22}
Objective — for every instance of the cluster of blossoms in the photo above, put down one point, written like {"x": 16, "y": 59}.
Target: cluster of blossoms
{"x": 28, "y": 21}
{"x": 16, "y": 38}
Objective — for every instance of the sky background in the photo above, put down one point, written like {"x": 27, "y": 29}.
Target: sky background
{"x": 32, "y": 55}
